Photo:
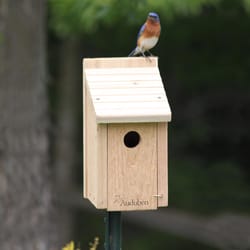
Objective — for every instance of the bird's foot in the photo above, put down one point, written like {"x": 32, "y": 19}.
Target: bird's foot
{"x": 150, "y": 54}
{"x": 146, "y": 57}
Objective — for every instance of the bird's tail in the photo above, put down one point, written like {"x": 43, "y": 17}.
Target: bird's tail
{"x": 132, "y": 53}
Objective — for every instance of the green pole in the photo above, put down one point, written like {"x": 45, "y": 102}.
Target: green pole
{"x": 113, "y": 235}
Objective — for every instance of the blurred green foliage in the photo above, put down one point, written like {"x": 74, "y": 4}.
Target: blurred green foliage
{"x": 134, "y": 237}
{"x": 142, "y": 238}
{"x": 203, "y": 60}
{"x": 74, "y": 17}
{"x": 205, "y": 65}
{"x": 218, "y": 187}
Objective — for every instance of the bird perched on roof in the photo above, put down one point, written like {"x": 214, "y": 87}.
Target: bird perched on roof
{"x": 148, "y": 35}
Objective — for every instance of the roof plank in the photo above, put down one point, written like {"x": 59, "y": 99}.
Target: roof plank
{"x": 130, "y": 91}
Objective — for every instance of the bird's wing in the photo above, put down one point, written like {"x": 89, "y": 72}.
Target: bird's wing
{"x": 141, "y": 30}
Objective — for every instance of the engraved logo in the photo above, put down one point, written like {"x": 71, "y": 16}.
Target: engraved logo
{"x": 130, "y": 202}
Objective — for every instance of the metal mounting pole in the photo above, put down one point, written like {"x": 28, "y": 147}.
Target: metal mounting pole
{"x": 113, "y": 235}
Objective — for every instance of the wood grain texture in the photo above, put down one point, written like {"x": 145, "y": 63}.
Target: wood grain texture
{"x": 120, "y": 62}
{"x": 95, "y": 155}
{"x": 84, "y": 139}
{"x": 162, "y": 155}
{"x": 132, "y": 172}
{"x": 126, "y": 90}
{"x": 122, "y": 95}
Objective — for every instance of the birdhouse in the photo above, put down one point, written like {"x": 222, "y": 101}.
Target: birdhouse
{"x": 126, "y": 115}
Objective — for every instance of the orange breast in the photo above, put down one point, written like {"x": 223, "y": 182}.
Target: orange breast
{"x": 152, "y": 29}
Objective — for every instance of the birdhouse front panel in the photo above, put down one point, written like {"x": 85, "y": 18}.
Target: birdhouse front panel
{"x": 126, "y": 113}
{"x": 132, "y": 166}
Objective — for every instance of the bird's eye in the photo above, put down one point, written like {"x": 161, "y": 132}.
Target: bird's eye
{"x": 152, "y": 16}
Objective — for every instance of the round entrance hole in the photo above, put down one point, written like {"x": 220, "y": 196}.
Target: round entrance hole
{"x": 131, "y": 139}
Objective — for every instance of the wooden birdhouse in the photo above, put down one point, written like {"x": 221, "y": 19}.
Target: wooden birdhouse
{"x": 126, "y": 115}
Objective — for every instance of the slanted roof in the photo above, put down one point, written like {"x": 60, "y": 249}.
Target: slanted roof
{"x": 126, "y": 90}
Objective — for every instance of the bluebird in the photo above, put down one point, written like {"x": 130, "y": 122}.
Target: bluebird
{"x": 148, "y": 35}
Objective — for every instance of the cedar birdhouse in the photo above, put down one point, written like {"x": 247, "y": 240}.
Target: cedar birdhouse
{"x": 126, "y": 113}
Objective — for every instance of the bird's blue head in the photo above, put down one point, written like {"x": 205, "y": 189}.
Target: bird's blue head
{"x": 154, "y": 16}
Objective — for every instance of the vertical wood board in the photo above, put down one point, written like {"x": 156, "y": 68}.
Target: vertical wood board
{"x": 95, "y": 155}
{"x": 162, "y": 154}
{"x": 132, "y": 172}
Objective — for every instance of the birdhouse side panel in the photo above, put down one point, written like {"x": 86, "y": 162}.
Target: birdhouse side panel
{"x": 95, "y": 155}
{"x": 162, "y": 164}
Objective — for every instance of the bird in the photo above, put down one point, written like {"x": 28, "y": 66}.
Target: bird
{"x": 148, "y": 35}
